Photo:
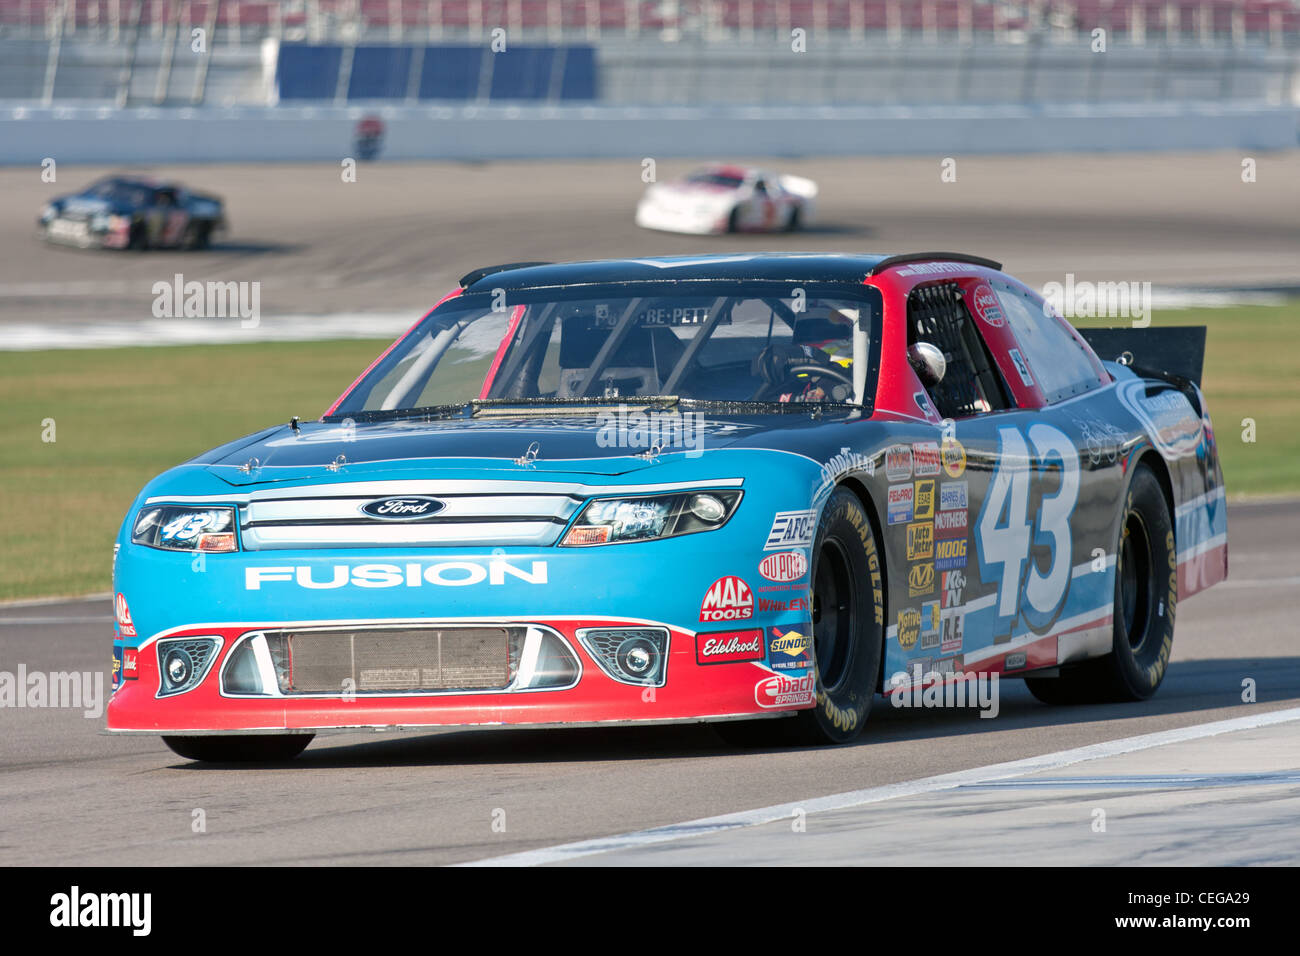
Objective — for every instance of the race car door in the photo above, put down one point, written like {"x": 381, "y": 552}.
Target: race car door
{"x": 1009, "y": 536}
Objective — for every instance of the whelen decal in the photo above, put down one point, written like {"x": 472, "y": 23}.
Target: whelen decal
{"x": 412, "y": 574}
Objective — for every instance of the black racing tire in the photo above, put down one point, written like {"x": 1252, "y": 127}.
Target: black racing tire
{"x": 197, "y": 236}
{"x": 1146, "y": 599}
{"x": 138, "y": 237}
{"x": 848, "y": 634}
{"x": 733, "y": 221}
{"x": 794, "y": 224}
{"x": 251, "y": 748}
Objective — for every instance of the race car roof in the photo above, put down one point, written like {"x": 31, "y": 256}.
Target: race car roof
{"x": 808, "y": 267}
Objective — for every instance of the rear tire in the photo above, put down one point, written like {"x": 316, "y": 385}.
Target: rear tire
{"x": 848, "y": 634}
{"x": 1146, "y": 597}
{"x": 197, "y": 236}
{"x": 253, "y": 748}
{"x": 794, "y": 223}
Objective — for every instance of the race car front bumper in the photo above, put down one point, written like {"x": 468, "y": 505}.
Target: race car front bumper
{"x": 383, "y": 674}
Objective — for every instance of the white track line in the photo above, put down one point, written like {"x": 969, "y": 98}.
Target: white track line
{"x": 909, "y": 788}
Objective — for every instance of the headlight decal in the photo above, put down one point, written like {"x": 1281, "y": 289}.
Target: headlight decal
{"x": 650, "y": 517}
{"x": 186, "y": 528}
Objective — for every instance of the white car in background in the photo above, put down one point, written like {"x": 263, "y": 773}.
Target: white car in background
{"x": 722, "y": 198}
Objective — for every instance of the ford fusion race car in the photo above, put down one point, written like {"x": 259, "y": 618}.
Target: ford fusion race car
{"x": 719, "y": 199}
{"x": 715, "y": 489}
{"x": 127, "y": 213}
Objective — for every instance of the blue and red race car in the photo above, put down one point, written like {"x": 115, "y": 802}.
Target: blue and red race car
{"x": 713, "y": 489}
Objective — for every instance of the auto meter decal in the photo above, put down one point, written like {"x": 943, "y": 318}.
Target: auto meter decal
{"x": 986, "y": 306}
{"x": 728, "y": 599}
{"x": 781, "y": 691}
{"x": 784, "y": 566}
{"x": 729, "y": 647}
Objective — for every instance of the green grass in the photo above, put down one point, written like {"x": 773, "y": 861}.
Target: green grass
{"x": 124, "y": 415}
{"x": 1252, "y": 370}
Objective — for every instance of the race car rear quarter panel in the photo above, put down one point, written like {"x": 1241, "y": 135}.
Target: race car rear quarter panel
{"x": 1000, "y": 534}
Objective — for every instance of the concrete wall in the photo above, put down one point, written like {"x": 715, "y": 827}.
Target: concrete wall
{"x": 106, "y": 135}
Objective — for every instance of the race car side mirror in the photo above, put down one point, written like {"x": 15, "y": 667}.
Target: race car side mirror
{"x": 928, "y": 363}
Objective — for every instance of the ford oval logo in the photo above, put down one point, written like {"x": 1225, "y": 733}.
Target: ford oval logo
{"x": 410, "y": 508}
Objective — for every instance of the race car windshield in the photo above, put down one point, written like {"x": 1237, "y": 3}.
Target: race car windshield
{"x": 755, "y": 342}
{"x": 715, "y": 179}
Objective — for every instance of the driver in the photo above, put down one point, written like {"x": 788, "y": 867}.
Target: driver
{"x": 825, "y": 340}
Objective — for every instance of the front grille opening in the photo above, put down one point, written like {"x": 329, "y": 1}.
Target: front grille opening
{"x": 403, "y": 660}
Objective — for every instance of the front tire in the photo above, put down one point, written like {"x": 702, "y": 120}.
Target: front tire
{"x": 848, "y": 617}
{"x": 1146, "y": 597}
{"x": 253, "y": 748}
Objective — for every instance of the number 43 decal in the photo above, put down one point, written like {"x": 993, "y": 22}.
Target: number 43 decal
{"x": 1006, "y": 531}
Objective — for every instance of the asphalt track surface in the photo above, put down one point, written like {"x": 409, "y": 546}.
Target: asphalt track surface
{"x": 395, "y": 240}
{"x": 70, "y": 795}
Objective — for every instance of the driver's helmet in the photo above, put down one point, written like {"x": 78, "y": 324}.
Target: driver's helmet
{"x": 829, "y": 329}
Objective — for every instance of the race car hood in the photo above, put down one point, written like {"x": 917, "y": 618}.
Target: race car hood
{"x": 78, "y": 207}
{"x": 582, "y": 445}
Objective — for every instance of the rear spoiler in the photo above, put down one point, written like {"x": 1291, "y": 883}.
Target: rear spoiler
{"x": 1173, "y": 353}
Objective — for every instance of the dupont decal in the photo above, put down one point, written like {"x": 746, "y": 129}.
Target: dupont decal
{"x": 791, "y": 529}
{"x": 920, "y": 541}
{"x": 781, "y": 691}
{"x": 729, "y": 647}
{"x": 122, "y": 614}
{"x": 1174, "y": 427}
{"x": 925, "y": 458}
{"x": 950, "y": 554}
{"x": 985, "y": 305}
{"x": 784, "y": 566}
{"x": 924, "y": 507}
{"x": 1021, "y": 368}
{"x": 728, "y": 599}
{"x": 898, "y": 462}
{"x": 412, "y": 574}
{"x": 900, "y": 504}
{"x": 953, "y": 496}
{"x": 953, "y": 456}
{"x": 909, "y": 627}
{"x": 789, "y": 650}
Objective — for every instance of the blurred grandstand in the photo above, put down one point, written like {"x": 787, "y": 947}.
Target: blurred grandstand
{"x": 144, "y": 52}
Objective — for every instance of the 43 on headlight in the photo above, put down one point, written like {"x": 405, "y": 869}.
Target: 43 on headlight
{"x": 185, "y": 528}
{"x": 647, "y": 517}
